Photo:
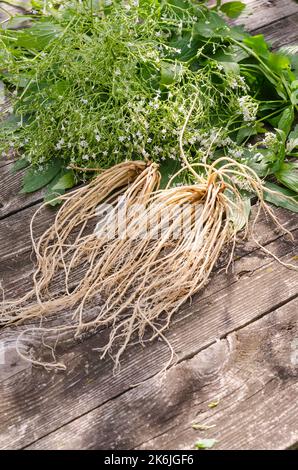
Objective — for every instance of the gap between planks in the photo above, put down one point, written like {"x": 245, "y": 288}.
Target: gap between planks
{"x": 34, "y": 396}
{"x": 251, "y": 372}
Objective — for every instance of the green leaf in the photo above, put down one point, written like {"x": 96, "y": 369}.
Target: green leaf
{"x": 258, "y": 45}
{"x": 62, "y": 181}
{"x": 232, "y": 9}
{"x": 18, "y": 21}
{"x": 286, "y": 120}
{"x": 35, "y": 179}
{"x": 38, "y": 36}
{"x": 211, "y": 26}
{"x": 288, "y": 175}
{"x": 170, "y": 73}
{"x": 167, "y": 169}
{"x": 10, "y": 123}
{"x": 65, "y": 181}
{"x": 231, "y": 67}
{"x": 281, "y": 197}
{"x": 278, "y": 62}
{"x": 20, "y": 165}
{"x": 205, "y": 443}
{"x": 293, "y": 140}
{"x": 245, "y": 132}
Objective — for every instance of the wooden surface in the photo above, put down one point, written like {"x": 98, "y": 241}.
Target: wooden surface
{"x": 237, "y": 344}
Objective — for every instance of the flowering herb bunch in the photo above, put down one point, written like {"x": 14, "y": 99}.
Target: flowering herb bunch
{"x": 94, "y": 83}
{"x": 165, "y": 105}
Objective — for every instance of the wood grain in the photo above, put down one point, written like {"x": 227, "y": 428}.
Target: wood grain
{"x": 259, "y": 13}
{"x": 282, "y": 32}
{"x": 250, "y": 372}
{"x": 11, "y": 200}
{"x": 45, "y": 401}
{"x": 232, "y": 343}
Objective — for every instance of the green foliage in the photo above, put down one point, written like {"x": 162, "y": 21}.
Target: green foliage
{"x": 205, "y": 444}
{"x": 93, "y": 85}
{"x": 35, "y": 178}
{"x": 233, "y": 9}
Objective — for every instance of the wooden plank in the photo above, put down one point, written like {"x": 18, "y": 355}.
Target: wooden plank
{"x": 35, "y": 402}
{"x": 10, "y": 198}
{"x": 254, "y": 374}
{"x": 282, "y": 32}
{"x": 260, "y": 13}
{"x": 17, "y": 263}
{"x": 251, "y": 372}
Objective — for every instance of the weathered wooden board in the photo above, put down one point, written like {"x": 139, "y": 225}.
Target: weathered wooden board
{"x": 248, "y": 367}
{"x": 260, "y": 13}
{"x": 11, "y": 200}
{"x": 17, "y": 262}
{"x": 45, "y": 401}
{"x": 252, "y": 372}
{"x": 282, "y": 32}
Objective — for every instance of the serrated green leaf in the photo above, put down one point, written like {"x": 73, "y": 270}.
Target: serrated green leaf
{"x": 233, "y": 9}
{"x": 282, "y": 197}
{"x": 35, "y": 179}
{"x": 205, "y": 443}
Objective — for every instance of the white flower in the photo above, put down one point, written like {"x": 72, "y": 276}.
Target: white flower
{"x": 59, "y": 144}
{"x": 83, "y": 144}
{"x": 248, "y": 107}
{"x": 97, "y": 137}
{"x": 105, "y": 153}
{"x": 117, "y": 72}
{"x": 85, "y": 157}
{"x": 270, "y": 139}
{"x": 121, "y": 138}
{"x": 84, "y": 101}
{"x": 149, "y": 140}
